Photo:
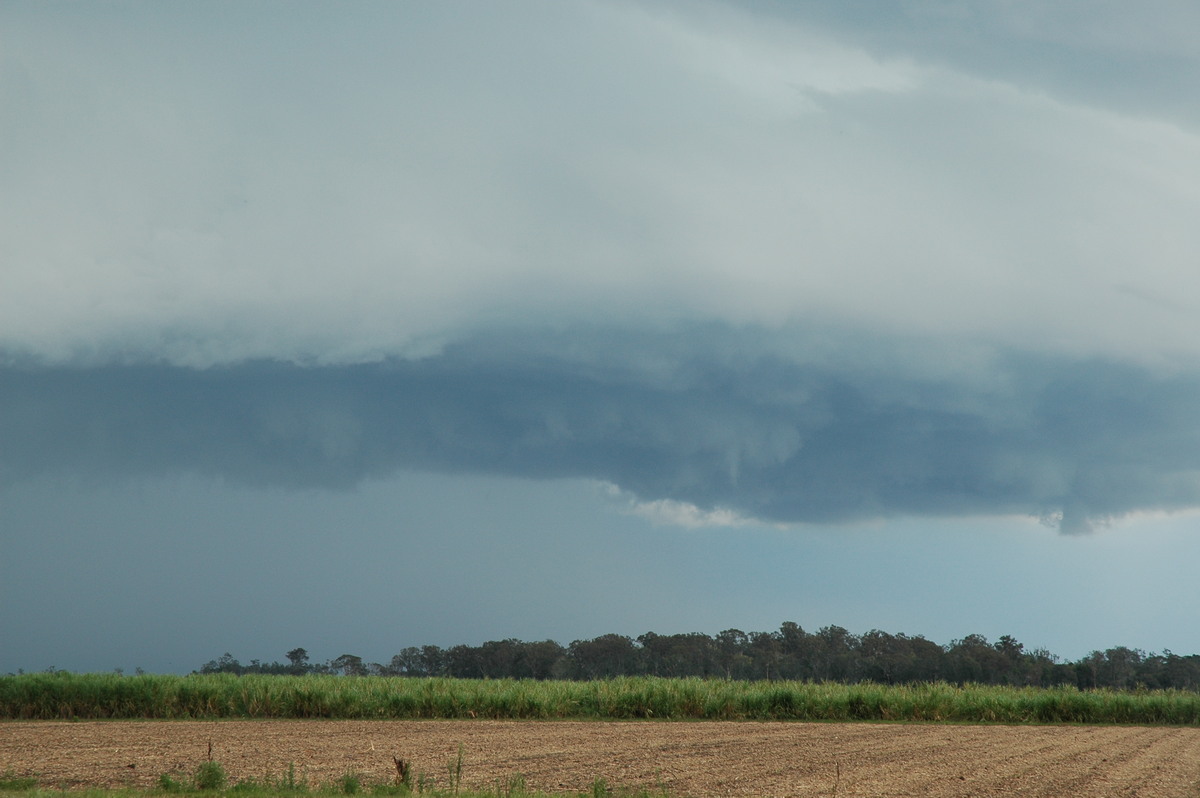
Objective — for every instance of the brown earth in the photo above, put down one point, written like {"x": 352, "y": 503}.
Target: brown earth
{"x": 688, "y": 759}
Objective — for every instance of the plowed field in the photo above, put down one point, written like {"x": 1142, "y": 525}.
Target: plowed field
{"x": 688, "y": 759}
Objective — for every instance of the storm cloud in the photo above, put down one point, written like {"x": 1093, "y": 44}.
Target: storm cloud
{"x": 684, "y": 307}
{"x": 770, "y": 426}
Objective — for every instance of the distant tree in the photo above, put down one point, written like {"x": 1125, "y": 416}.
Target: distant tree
{"x": 298, "y": 659}
{"x": 731, "y": 647}
{"x": 928, "y": 661}
{"x": 1009, "y": 648}
{"x": 1182, "y": 673}
{"x": 1119, "y": 667}
{"x": 835, "y": 655}
{"x": 408, "y": 663}
{"x": 1042, "y": 669}
{"x": 973, "y": 659}
{"x": 832, "y": 653}
{"x": 765, "y": 652}
{"x": 1012, "y": 662}
{"x": 797, "y": 652}
{"x": 349, "y": 665}
{"x": 691, "y": 654}
{"x": 603, "y": 657}
{"x": 542, "y": 660}
{"x": 498, "y": 658}
{"x": 883, "y": 657}
{"x": 223, "y": 664}
{"x": 654, "y": 652}
{"x": 464, "y": 662}
{"x": 433, "y": 661}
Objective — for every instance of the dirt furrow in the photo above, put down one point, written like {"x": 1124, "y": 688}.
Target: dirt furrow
{"x": 698, "y": 759}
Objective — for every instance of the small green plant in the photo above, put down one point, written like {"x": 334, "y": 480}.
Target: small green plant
{"x": 288, "y": 782}
{"x": 168, "y": 783}
{"x": 659, "y": 783}
{"x": 599, "y": 788}
{"x": 514, "y": 787}
{"x": 455, "y": 769}
{"x": 10, "y": 781}
{"x": 403, "y": 773}
{"x": 349, "y": 784}
{"x": 211, "y": 776}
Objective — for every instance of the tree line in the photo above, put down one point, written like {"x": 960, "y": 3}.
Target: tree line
{"x": 828, "y": 654}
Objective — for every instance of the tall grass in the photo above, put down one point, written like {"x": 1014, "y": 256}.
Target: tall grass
{"x": 68, "y": 695}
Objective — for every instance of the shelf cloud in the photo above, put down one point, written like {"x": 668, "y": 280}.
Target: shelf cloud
{"x": 757, "y": 423}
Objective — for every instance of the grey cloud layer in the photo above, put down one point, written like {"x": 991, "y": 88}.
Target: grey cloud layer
{"x": 209, "y": 183}
{"x": 719, "y": 417}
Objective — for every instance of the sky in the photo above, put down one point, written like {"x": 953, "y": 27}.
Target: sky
{"x": 368, "y": 325}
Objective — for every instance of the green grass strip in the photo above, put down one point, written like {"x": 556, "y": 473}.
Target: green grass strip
{"x": 63, "y": 695}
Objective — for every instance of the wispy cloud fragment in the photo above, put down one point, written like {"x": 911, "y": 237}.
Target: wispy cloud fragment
{"x": 671, "y": 512}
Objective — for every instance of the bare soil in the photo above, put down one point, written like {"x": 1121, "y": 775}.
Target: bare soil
{"x": 697, "y": 759}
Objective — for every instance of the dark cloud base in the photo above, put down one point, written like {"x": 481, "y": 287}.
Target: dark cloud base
{"x": 715, "y": 416}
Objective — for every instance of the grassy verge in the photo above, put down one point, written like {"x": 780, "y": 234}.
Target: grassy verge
{"x": 209, "y": 780}
{"x": 85, "y": 696}
{"x": 251, "y": 791}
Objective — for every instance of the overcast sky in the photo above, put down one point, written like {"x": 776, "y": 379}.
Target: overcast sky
{"x": 365, "y": 325}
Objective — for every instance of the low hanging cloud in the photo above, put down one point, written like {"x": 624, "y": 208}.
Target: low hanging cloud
{"x": 780, "y": 427}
